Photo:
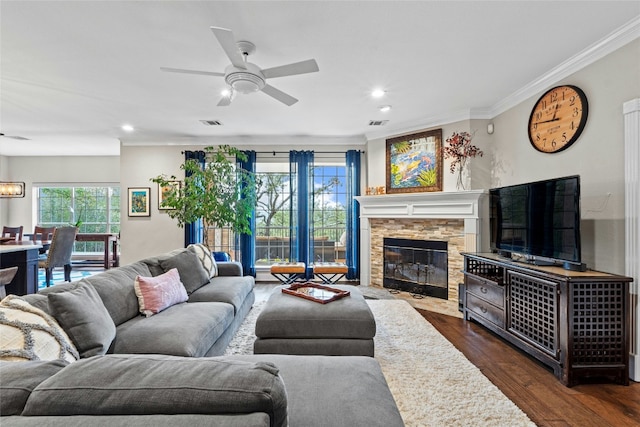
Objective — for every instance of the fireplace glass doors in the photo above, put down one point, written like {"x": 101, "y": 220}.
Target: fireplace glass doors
{"x": 416, "y": 266}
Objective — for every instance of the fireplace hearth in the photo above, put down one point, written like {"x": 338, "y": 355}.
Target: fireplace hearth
{"x": 416, "y": 266}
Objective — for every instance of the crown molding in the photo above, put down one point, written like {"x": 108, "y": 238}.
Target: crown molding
{"x": 258, "y": 140}
{"x": 610, "y": 43}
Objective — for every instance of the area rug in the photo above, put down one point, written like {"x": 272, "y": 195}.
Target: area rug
{"x": 432, "y": 382}
{"x": 58, "y": 276}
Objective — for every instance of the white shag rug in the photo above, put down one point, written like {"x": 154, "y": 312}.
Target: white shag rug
{"x": 432, "y": 382}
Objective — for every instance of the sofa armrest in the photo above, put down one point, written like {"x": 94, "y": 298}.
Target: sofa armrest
{"x": 229, "y": 268}
{"x": 157, "y": 384}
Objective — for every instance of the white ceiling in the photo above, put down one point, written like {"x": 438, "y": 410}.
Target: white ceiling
{"x": 72, "y": 72}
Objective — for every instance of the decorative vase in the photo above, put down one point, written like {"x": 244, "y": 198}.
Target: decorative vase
{"x": 460, "y": 183}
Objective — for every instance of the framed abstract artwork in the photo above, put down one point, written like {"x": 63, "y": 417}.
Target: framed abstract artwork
{"x": 164, "y": 190}
{"x": 414, "y": 162}
{"x": 139, "y": 201}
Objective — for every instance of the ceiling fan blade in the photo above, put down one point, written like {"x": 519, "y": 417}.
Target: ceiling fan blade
{"x": 279, "y": 95}
{"x": 225, "y": 101}
{"x": 302, "y": 67}
{"x": 180, "y": 70}
{"x": 20, "y": 138}
{"x": 228, "y": 43}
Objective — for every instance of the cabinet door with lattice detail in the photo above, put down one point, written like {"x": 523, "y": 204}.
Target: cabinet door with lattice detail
{"x": 533, "y": 311}
{"x": 599, "y": 324}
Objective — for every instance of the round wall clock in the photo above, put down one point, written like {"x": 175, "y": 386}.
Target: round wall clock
{"x": 558, "y": 118}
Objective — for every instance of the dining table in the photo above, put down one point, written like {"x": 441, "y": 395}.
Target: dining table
{"x": 24, "y": 255}
{"x": 111, "y": 256}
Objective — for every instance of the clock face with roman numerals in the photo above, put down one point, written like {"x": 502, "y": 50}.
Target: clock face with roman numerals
{"x": 558, "y": 118}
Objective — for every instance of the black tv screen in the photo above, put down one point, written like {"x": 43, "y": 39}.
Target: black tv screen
{"x": 539, "y": 219}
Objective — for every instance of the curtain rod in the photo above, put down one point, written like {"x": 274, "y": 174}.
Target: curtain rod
{"x": 287, "y": 152}
{"x": 319, "y": 152}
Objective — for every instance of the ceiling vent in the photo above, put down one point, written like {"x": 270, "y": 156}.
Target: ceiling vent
{"x": 378, "y": 122}
{"x": 211, "y": 122}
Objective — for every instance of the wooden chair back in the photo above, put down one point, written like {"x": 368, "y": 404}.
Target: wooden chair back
{"x": 42, "y": 233}
{"x": 15, "y": 232}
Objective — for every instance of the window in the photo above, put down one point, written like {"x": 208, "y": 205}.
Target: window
{"x": 95, "y": 208}
{"x": 329, "y": 215}
{"x": 273, "y": 211}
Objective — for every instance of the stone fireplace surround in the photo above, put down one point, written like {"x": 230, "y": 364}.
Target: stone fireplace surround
{"x": 460, "y": 218}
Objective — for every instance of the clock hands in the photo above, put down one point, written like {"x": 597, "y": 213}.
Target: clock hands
{"x": 547, "y": 121}
{"x": 553, "y": 119}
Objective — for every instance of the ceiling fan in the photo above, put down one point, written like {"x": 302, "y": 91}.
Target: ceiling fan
{"x": 243, "y": 76}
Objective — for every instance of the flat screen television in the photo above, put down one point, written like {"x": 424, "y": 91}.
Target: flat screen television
{"x": 538, "y": 220}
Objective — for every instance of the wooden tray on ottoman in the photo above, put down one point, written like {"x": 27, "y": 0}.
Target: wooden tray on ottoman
{"x": 315, "y": 292}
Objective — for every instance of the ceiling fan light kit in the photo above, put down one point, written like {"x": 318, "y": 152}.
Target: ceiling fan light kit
{"x": 245, "y": 77}
{"x": 245, "y": 81}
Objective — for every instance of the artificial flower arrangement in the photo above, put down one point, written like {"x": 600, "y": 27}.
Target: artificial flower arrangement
{"x": 460, "y": 149}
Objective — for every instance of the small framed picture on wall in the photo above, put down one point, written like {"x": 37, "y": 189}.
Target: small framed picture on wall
{"x": 164, "y": 191}
{"x": 139, "y": 201}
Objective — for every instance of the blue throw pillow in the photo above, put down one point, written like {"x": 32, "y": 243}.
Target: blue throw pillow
{"x": 221, "y": 256}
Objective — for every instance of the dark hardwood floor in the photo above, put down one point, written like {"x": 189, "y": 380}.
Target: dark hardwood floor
{"x": 533, "y": 387}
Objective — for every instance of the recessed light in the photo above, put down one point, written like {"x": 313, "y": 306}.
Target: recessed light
{"x": 127, "y": 128}
{"x": 385, "y": 108}
{"x": 378, "y": 93}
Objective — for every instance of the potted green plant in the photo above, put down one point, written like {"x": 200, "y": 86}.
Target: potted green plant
{"x": 221, "y": 193}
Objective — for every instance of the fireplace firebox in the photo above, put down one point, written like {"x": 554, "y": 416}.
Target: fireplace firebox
{"x": 416, "y": 266}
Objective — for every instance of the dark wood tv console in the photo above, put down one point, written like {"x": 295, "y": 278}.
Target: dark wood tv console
{"x": 575, "y": 322}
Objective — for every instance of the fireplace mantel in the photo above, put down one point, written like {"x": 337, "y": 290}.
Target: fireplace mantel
{"x": 441, "y": 205}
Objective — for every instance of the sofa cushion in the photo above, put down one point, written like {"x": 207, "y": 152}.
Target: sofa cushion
{"x": 354, "y": 384}
{"x": 192, "y": 273}
{"x": 180, "y": 330}
{"x": 41, "y": 300}
{"x": 153, "y": 263}
{"x": 28, "y": 333}
{"x": 232, "y": 290}
{"x": 158, "y": 384}
{"x": 205, "y": 257}
{"x": 158, "y": 293}
{"x": 115, "y": 287}
{"x": 19, "y": 379}
{"x": 38, "y": 300}
{"x": 256, "y": 419}
{"x": 85, "y": 319}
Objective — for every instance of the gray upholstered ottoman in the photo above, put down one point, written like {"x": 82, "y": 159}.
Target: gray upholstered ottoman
{"x": 292, "y": 325}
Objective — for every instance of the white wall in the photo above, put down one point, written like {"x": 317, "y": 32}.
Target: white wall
{"x": 72, "y": 170}
{"x": 597, "y": 156}
{"x": 479, "y": 167}
{"x": 4, "y": 176}
{"x": 147, "y": 236}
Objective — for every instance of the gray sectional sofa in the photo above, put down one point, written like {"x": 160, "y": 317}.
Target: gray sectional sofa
{"x": 191, "y": 330}
{"x": 166, "y": 370}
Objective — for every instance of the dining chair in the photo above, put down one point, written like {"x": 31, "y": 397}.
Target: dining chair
{"x": 42, "y": 233}
{"x": 15, "y": 232}
{"x": 6, "y": 276}
{"x": 59, "y": 254}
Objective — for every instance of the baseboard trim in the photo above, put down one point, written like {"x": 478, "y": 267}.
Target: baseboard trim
{"x": 634, "y": 367}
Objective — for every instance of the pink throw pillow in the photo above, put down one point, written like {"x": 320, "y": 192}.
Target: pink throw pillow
{"x": 158, "y": 293}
